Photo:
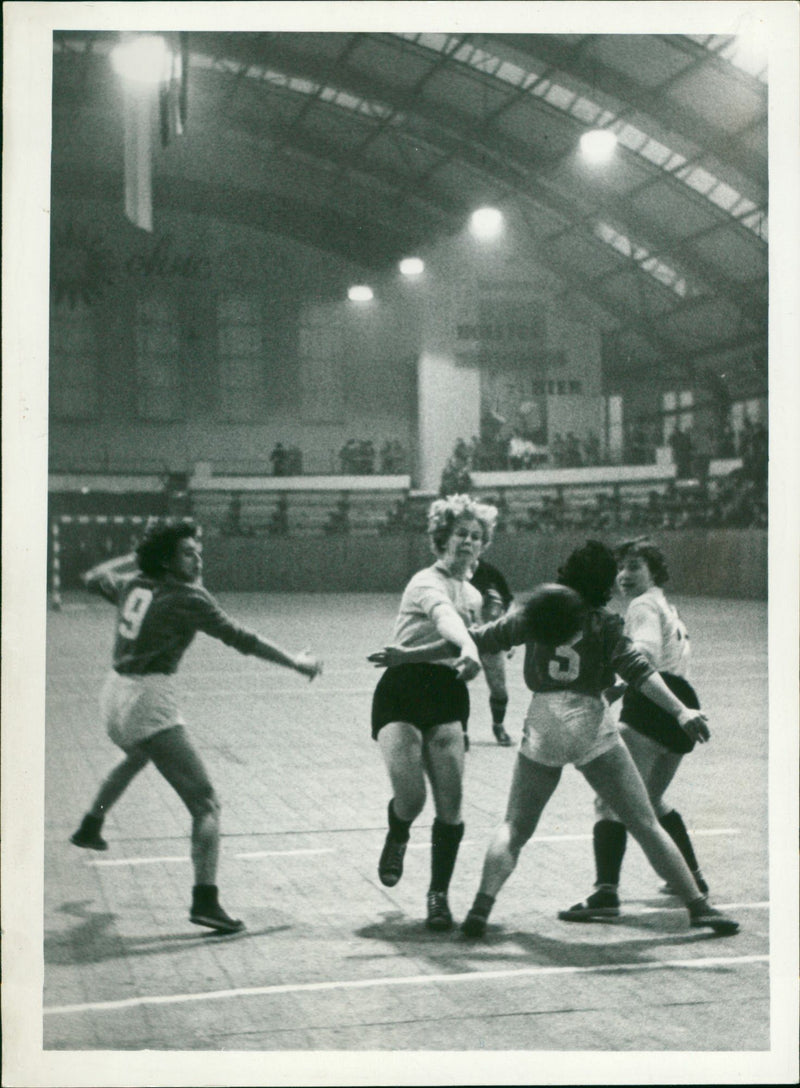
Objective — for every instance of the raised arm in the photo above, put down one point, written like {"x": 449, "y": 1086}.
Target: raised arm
{"x": 105, "y": 578}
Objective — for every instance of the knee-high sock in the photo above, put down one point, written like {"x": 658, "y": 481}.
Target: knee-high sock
{"x": 610, "y": 839}
{"x": 398, "y": 829}
{"x": 498, "y": 705}
{"x": 445, "y": 840}
{"x": 674, "y": 826}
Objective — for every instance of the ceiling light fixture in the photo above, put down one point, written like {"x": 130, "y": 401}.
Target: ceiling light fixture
{"x": 360, "y": 293}
{"x": 598, "y": 145}
{"x": 486, "y": 223}
{"x": 143, "y": 59}
{"x": 412, "y": 266}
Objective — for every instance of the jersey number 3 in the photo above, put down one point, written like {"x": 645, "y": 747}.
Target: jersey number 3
{"x": 565, "y": 664}
{"x": 134, "y": 611}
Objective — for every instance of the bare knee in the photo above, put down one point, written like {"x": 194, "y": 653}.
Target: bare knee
{"x": 203, "y": 803}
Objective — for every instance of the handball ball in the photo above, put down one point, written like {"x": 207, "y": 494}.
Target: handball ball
{"x": 553, "y": 613}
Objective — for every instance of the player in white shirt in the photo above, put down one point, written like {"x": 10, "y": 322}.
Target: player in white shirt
{"x": 420, "y": 710}
{"x": 654, "y": 739}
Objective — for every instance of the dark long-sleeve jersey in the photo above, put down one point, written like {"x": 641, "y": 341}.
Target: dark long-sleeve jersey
{"x": 586, "y": 664}
{"x": 486, "y": 577}
{"x": 157, "y": 619}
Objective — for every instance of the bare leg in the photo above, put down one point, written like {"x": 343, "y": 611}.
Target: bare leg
{"x": 179, "y": 762}
{"x": 614, "y": 777}
{"x": 115, "y": 783}
{"x": 443, "y": 758}
{"x": 531, "y": 788}
{"x": 401, "y": 747}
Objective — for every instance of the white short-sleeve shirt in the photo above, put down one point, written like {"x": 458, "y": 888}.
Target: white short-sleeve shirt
{"x": 428, "y": 588}
{"x": 656, "y": 629}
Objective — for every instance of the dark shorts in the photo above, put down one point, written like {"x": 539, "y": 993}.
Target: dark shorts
{"x": 424, "y": 695}
{"x": 651, "y": 721}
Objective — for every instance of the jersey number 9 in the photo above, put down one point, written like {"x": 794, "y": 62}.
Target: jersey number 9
{"x": 134, "y": 611}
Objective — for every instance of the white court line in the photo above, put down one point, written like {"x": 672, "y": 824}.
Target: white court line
{"x": 412, "y": 846}
{"x": 280, "y": 853}
{"x": 254, "y": 854}
{"x": 406, "y": 980}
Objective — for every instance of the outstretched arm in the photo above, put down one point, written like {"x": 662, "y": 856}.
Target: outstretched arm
{"x": 305, "y": 662}
{"x": 407, "y": 655}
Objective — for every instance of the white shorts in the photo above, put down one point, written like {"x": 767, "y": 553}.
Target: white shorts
{"x": 136, "y": 707}
{"x": 565, "y": 727}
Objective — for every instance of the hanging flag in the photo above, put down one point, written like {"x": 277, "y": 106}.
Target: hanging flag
{"x": 173, "y": 92}
{"x": 137, "y": 110}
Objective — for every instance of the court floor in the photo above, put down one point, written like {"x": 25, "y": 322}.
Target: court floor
{"x": 332, "y": 960}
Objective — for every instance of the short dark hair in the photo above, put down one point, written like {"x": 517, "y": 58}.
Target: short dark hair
{"x": 157, "y": 547}
{"x": 591, "y": 571}
{"x": 651, "y": 553}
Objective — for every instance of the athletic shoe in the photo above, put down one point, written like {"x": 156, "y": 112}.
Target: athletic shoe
{"x": 390, "y": 865}
{"x": 89, "y": 840}
{"x": 667, "y": 889}
{"x": 216, "y": 918}
{"x": 501, "y": 736}
{"x": 439, "y": 916}
{"x": 707, "y": 917}
{"x": 474, "y": 925}
{"x": 598, "y": 906}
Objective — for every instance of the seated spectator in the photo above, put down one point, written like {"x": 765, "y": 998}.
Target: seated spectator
{"x": 278, "y": 459}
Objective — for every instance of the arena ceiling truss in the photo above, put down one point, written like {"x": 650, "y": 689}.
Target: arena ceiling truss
{"x": 373, "y": 145}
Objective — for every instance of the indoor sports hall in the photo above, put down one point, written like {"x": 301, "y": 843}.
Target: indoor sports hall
{"x": 307, "y": 280}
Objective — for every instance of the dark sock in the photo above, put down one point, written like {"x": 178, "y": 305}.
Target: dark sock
{"x": 399, "y": 829}
{"x": 498, "y": 709}
{"x": 482, "y": 905}
{"x": 92, "y": 824}
{"x": 610, "y": 839}
{"x": 676, "y": 829}
{"x": 204, "y": 896}
{"x": 445, "y": 840}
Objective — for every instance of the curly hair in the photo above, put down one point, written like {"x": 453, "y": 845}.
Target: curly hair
{"x": 444, "y": 513}
{"x": 157, "y": 547}
{"x": 653, "y": 556}
{"x": 591, "y": 571}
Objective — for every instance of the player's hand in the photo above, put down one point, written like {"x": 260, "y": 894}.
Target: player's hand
{"x": 388, "y": 657}
{"x": 695, "y": 724}
{"x": 307, "y": 664}
{"x": 510, "y": 653}
{"x": 466, "y": 667}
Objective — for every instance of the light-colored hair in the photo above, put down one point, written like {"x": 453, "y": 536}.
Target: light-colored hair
{"x": 444, "y": 513}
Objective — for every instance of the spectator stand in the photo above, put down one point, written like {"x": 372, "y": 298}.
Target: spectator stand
{"x": 295, "y": 505}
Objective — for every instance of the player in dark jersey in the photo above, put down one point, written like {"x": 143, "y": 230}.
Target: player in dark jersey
{"x": 568, "y": 722}
{"x": 497, "y": 599}
{"x": 654, "y": 739}
{"x": 160, "y": 608}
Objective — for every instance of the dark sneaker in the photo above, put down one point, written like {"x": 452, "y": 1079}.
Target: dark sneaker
{"x": 501, "y": 736}
{"x": 439, "y": 916}
{"x": 390, "y": 865}
{"x": 216, "y": 918}
{"x": 599, "y": 906}
{"x": 474, "y": 925}
{"x": 707, "y": 917}
{"x": 89, "y": 840}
